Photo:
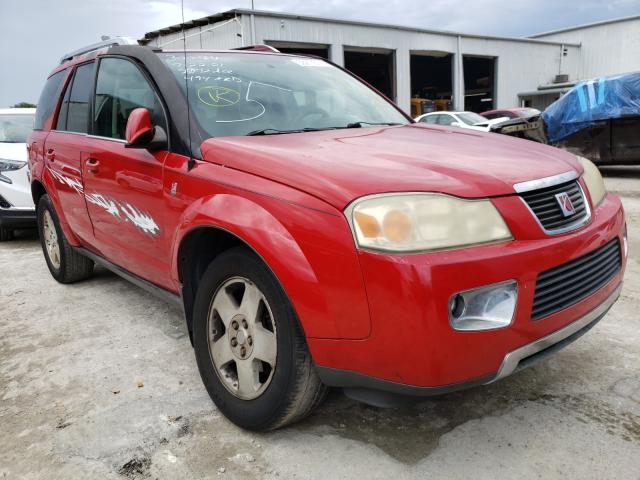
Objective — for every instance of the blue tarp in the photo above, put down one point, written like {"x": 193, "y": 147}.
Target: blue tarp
{"x": 602, "y": 98}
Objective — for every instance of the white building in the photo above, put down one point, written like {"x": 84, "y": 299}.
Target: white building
{"x": 474, "y": 72}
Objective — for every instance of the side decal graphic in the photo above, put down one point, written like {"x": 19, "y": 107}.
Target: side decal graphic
{"x": 123, "y": 211}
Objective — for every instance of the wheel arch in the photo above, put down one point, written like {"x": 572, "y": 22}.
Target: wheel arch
{"x": 37, "y": 191}
{"x": 279, "y": 234}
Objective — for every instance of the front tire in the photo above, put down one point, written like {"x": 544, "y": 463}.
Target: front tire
{"x": 65, "y": 264}
{"x": 250, "y": 350}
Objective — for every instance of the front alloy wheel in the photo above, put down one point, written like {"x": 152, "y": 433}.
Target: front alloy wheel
{"x": 242, "y": 338}
{"x": 250, "y": 349}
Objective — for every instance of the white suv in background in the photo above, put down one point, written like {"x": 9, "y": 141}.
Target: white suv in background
{"x": 16, "y": 205}
{"x": 468, "y": 120}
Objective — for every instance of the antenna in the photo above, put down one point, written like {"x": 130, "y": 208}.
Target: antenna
{"x": 191, "y": 161}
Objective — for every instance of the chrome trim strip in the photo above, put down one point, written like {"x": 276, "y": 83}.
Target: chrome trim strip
{"x": 545, "y": 182}
{"x": 512, "y": 359}
{"x": 567, "y": 228}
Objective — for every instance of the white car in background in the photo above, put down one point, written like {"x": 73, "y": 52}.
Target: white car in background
{"x": 16, "y": 205}
{"x": 468, "y": 120}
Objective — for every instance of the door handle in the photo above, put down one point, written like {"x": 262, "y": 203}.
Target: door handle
{"x": 93, "y": 165}
{"x": 51, "y": 155}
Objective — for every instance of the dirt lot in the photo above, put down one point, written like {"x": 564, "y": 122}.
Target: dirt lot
{"x": 98, "y": 380}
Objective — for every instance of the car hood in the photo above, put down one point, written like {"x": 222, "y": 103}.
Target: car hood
{"x": 339, "y": 166}
{"x": 13, "y": 151}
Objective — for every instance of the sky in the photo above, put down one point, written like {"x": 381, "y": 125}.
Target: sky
{"x": 34, "y": 34}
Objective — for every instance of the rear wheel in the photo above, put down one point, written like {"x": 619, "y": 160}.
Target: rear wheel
{"x": 250, "y": 350}
{"x": 65, "y": 264}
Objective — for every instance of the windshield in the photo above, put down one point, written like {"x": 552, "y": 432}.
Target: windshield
{"x": 528, "y": 112}
{"x": 471, "y": 118}
{"x": 235, "y": 94}
{"x": 15, "y": 128}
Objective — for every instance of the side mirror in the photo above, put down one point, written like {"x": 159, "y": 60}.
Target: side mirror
{"x": 455, "y": 124}
{"x": 140, "y": 133}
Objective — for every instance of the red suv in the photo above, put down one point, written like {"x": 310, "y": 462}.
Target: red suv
{"x": 313, "y": 233}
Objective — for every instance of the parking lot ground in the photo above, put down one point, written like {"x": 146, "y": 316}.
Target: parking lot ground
{"x": 98, "y": 380}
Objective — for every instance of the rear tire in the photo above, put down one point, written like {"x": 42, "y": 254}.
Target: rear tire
{"x": 6, "y": 234}
{"x": 65, "y": 264}
{"x": 279, "y": 393}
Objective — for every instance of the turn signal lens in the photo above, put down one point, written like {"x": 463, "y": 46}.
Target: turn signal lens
{"x": 397, "y": 226}
{"x": 368, "y": 224}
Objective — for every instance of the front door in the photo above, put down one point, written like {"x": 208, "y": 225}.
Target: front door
{"x": 124, "y": 186}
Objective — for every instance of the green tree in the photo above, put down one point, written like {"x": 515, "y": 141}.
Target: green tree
{"x": 24, "y": 105}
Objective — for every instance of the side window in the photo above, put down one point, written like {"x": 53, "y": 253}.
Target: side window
{"x": 120, "y": 89}
{"x": 446, "y": 120}
{"x": 430, "y": 119}
{"x": 48, "y": 99}
{"x": 74, "y": 111}
{"x": 61, "y": 123}
{"x": 78, "y": 116}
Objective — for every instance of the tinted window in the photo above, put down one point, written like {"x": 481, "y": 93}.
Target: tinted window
{"x": 49, "y": 99}
{"x": 430, "y": 119}
{"x": 121, "y": 88}
{"x": 445, "y": 120}
{"x": 78, "y": 109}
{"x": 61, "y": 122}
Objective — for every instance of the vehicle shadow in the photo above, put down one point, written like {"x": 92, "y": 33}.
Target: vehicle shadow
{"x": 410, "y": 434}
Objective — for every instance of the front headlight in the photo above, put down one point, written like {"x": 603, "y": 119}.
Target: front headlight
{"x": 419, "y": 222}
{"x": 594, "y": 181}
{"x": 9, "y": 165}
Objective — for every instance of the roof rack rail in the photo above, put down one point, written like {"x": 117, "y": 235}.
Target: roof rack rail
{"x": 106, "y": 42}
{"x": 261, "y": 47}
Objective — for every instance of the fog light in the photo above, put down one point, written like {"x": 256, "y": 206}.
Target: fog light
{"x": 484, "y": 308}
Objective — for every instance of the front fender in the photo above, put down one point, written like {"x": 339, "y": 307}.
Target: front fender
{"x": 310, "y": 252}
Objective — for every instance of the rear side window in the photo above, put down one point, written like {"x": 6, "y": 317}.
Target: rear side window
{"x": 121, "y": 87}
{"x": 430, "y": 119}
{"x": 78, "y": 108}
{"x": 48, "y": 99}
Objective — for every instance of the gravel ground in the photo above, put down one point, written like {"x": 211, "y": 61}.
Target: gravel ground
{"x": 98, "y": 380}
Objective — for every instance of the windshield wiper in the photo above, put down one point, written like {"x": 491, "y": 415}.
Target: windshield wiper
{"x": 375, "y": 124}
{"x": 275, "y": 131}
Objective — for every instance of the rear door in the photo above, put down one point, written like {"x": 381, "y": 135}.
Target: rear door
{"x": 66, "y": 147}
{"x": 124, "y": 186}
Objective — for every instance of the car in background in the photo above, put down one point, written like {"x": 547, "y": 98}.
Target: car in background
{"x": 511, "y": 113}
{"x": 468, "y": 120}
{"x": 16, "y": 204}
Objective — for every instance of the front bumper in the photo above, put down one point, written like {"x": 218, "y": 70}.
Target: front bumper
{"x": 518, "y": 359}
{"x": 413, "y": 348}
{"x": 17, "y": 218}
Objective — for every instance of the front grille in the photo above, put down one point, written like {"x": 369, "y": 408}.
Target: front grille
{"x": 545, "y": 206}
{"x": 4, "y": 203}
{"x": 567, "y": 284}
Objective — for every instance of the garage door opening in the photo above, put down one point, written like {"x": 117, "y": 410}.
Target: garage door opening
{"x": 314, "y": 49}
{"x": 431, "y": 82}
{"x": 479, "y": 83}
{"x": 376, "y": 68}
